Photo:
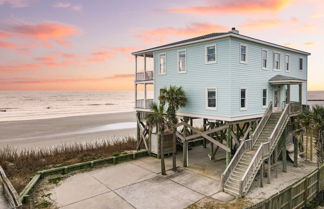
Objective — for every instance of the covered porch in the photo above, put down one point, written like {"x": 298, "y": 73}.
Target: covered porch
{"x": 281, "y": 87}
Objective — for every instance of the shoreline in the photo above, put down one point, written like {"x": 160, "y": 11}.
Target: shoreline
{"x": 44, "y": 133}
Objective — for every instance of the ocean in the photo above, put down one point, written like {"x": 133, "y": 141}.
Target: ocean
{"x": 27, "y": 105}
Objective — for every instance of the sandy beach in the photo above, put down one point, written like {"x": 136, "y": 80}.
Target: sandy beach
{"x": 44, "y": 133}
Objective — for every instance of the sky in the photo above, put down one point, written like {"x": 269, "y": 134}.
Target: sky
{"x": 86, "y": 45}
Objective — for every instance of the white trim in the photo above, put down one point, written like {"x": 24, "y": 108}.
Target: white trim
{"x": 206, "y": 53}
{"x": 267, "y": 67}
{"x": 164, "y": 63}
{"x": 178, "y": 66}
{"x": 224, "y": 118}
{"x": 273, "y": 61}
{"x": 224, "y": 36}
{"x": 243, "y": 108}
{"x": 289, "y": 66}
{"x": 287, "y": 81}
{"x": 246, "y": 54}
{"x": 267, "y": 98}
{"x": 206, "y": 98}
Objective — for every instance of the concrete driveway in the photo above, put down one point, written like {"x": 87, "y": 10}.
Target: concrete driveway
{"x": 136, "y": 184}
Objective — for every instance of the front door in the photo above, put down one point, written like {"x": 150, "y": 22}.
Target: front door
{"x": 276, "y": 99}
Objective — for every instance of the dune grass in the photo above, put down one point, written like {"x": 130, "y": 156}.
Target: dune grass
{"x": 21, "y": 165}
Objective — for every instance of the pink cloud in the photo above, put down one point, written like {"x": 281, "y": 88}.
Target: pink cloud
{"x": 68, "y": 5}
{"x": 267, "y": 23}
{"x": 235, "y": 6}
{"x": 15, "y": 3}
{"x": 8, "y": 45}
{"x": 18, "y": 68}
{"x": 101, "y": 56}
{"x": 162, "y": 34}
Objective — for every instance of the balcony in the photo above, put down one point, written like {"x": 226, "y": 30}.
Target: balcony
{"x": 144, "y": 104}
{"x": 148, "y": 76}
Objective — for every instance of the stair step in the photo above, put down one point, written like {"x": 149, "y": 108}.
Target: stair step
{"x": 232, "y": 188}
{"x": 229, "y": 191}
{"x": 233, "y": 184}
{"x": 231, "y": 178}
{"x": 239, "y": 171}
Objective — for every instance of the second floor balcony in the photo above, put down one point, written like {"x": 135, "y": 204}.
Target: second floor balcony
{"x": 144, "y": 104}
{"x": 144, "y": 76}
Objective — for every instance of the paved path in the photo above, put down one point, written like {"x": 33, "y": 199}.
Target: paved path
{"x": 135, "y": 184}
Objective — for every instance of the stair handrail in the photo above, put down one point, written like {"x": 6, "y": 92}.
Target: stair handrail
{"x": 253, "y": 167}
{"x": 245, "y": 145}
{"x": 262, "y": 123}
{"x": 279, "y": 126}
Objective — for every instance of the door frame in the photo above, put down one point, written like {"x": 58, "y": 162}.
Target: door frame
{"x": 278, "y": 107}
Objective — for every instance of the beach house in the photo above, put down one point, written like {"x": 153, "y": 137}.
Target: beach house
{"x": 244, "y": 88}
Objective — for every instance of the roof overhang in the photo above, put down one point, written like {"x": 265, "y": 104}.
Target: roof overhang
{"x": 149, "y": 52}
{"x": 282, "y": 80}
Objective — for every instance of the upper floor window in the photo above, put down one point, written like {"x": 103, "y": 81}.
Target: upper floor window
{"x": 211, "y": 98}
{"x": 276, "y": 61}
{"x": 264, "y": 97}
{"x": 210, "y": 52}
{"x": 264, "y": 59}
{"x": 243, "y": 99}
{"x": 182, "y": 61}
{"x": 287, "y": 67}
{"x": 243, "y": 53}
{"x": 300, "y": 63}
{"x": 162, "y": 63}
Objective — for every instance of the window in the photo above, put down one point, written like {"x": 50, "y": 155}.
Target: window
{"x": 264, "y": 59}
{"x": 162, "y": 63}
{"x": 243, "y": 99}
{"x": 276, "y": 61}
{"x": 210, "y": 54}
{"x": 287, "y": 63}
{"x": 243, "y": 54}
{"x": 300, "y": 63}
{"x": 264, "y": 97}
{"x": 182, "y": 61}
{"x": 211, "y": 98}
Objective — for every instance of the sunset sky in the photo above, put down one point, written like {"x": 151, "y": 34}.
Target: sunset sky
{"x": 86, "y": 44}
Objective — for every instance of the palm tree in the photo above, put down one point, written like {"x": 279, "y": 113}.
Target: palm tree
{"x": 305, "y": 121}
{"x": 175, "y": 98}
{"x": 157, "y": 118}
{"x": 318, "y": 123}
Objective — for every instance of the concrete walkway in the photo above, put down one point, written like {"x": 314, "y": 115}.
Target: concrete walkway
{"x": 138, "y": 184}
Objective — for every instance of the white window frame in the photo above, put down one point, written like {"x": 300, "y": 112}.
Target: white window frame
{"x": 273, "y": 61}
{"x": 266, "y": 105}
{"x": 165, "y": 70}
{"x": 216, "y": 97}
{"x": 178, "y": 64}
{"x": 300, "y": 58}
{"x": 267, "y": 57}
{"x": 287, "y": 55}
{"x": 246, "y": 54}
{"x": 206, "y": 53}
{"x": 243, "y": 108}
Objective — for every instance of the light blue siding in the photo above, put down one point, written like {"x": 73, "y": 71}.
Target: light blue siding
{"x": 228, "y": 75}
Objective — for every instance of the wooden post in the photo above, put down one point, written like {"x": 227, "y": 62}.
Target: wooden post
{"x": 185, "y": 150}
{"x": 300, "y": 94}
{"x": 229, "y": 144}
{"x": 145, "y": 96}
{"x": 144, "y": 66}
{"x": 174, "y": 151}
{"x": 284, "y": 154}
{"x": 295, "y": 140}
{"x": 306, "y": 146}
{"x": 205, "y": 129}
{"x": 138, "y": 129}
{"x": 275, "y": 156}
{"x": 269, "y": 169}
{"x": 262, "y": 174}
{"x": 311, "y": 145}
{"x": 191, "y": 123}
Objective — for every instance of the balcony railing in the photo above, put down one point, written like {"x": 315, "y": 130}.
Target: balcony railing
{"x": 142, "y": 76}
{"x": 144, "y": 104}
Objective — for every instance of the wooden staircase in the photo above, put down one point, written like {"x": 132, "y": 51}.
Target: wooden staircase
{"x": 232, "y": 185}
{"x": 245, "y": 164}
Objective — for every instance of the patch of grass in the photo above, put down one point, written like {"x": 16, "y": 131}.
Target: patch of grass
{"x": 21, "y": 166}
{"x": 55, "y": 180}
{"x": 210, "y": 203}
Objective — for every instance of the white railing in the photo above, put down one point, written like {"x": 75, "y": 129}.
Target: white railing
{"x": 261, "y": 124}
{"x": 142, "y": 76}
{"x": 253, "y": 167}
{"x": 144, "y": 104}
{"x": 245, "y": 145}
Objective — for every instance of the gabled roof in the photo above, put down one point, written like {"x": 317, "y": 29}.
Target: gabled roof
{"x": 214, "y": 36}
{"x": 282, "y": 79}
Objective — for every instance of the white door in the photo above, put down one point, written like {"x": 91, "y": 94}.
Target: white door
{"x": 276, "y": 99}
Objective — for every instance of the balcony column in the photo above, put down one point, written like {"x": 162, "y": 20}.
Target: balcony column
{"x": 144, "y": 66}
{"x": 288, "y": 93}
{"x": 145, "y": 95}
{"x": 135, "y": 79}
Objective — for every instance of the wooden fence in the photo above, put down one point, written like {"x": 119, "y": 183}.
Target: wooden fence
{"x": 297, "y": 194}
{"x": 9, "y": 191}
